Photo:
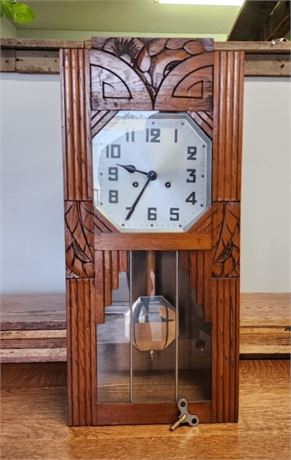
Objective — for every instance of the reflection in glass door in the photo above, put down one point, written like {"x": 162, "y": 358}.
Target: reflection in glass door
{"x": 154, "y": 345}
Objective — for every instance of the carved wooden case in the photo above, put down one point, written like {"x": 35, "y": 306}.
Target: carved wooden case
{"x": 182, "y": 75}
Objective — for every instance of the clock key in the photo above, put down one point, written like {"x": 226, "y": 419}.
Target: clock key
{"x": 185, "y": 416}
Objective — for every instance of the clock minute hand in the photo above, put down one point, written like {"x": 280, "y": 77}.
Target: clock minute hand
{"x": 152, "y": 175}
{"x": 132, "y": 169}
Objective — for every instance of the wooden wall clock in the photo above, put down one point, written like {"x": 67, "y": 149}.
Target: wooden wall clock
{"x": 152, "y": 161}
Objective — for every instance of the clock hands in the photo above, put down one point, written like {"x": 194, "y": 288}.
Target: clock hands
{"x": 151, "y": 175}
{"x": 132, "y": 169}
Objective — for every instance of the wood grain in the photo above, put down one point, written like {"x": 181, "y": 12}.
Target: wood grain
{"x": 7, "y": 60}
{"x": 157, "y": 74}
{"x": 25, "y": 343}
{"x": 200, "y": 271}
{"x": 144, "y": 414}
{"x": 265, "y": 341}
{"x": 79, "y": 218}
{"x": 79, "y": 239}
{"x": 34, "y": 397}
{"x": 226, "y": 240}
{"x": 28, "y": 312}
{"x": 43, "y": 44}
{"x": 268, "y": 65}
{"x": 43, "y": 334}
{"x": 189, "y": 86}
{"x": 254, "y": 46}
{"x": 76, "y": 125}
{"x": 42, "y": 62}
{"x": 264, "y": 322}
{"x": 81, "y": 350}
{"x": 31, "y": 355}
{"x": 265, "y": 309}
{"x": 33, "y": 375}
{"x": 227, "y": 130}
{"x": 154, "y": 241}
{"x": 225, "y": 349}
{"x": 247, "y": 46}
{"x": 99, "y": 118}
{"x": 205, "y": 121}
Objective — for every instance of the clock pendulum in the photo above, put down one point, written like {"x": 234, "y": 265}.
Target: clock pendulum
{"x": 152, "y": 164}
{"x": 153, "y": 315}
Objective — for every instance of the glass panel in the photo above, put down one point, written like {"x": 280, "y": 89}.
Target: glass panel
{"x": 138, "y": 356}
{"x": 154, "y": 326}
{"x": 194, "y": 376}
{"x": 113, "y": 349}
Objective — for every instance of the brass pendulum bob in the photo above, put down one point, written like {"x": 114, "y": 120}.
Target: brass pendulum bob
{"x": 153, "y": 315}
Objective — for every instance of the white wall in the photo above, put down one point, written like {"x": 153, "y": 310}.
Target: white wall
{"x": 266, "y": 201}
{"x": 32, "y": 250}
{"x": 32, "y": 233}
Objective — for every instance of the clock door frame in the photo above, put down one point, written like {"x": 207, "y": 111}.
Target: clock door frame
{"x": 96, "y": 252}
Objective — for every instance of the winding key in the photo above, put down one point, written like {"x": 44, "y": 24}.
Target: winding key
{"x": 185, "y": 416}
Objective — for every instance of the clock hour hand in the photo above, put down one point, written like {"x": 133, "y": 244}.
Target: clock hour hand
{"x": 152, "y": 175}
{"x": 132, "y": 169}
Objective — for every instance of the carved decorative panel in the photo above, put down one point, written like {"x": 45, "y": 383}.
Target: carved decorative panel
{"x": 79, "y": 239}
{"x": 136, "y": 74}
{"x": 226, "y": 240}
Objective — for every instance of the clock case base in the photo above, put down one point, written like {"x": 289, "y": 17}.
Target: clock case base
{"x": 89, "y": 288}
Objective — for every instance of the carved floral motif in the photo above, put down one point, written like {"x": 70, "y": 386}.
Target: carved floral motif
{"x": 152, "y": 74}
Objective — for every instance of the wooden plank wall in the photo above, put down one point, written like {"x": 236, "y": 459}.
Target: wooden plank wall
{"x": 42, "y": 56}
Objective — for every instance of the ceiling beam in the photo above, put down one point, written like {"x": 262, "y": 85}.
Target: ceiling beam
{"x": 262, "y": 20}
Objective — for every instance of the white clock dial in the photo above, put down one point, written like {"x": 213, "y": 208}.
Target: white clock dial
{"x": 152, "y": 171}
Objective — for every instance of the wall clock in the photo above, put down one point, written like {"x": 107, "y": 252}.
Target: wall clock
{"x": 152, "y": 159}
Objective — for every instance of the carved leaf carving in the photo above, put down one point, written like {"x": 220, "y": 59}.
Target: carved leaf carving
{"x": 226, "y": 255}
{"x": 79, "y": 239}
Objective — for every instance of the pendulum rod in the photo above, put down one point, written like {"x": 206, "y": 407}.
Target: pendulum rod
{"x": 151, "y": 273}
{"x": 151, "y": 284}
{"x": 130, "y": 330}
{"x": 177, "y": 328}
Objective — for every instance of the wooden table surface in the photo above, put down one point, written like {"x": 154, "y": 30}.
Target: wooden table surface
{"x": 34, "y": 422}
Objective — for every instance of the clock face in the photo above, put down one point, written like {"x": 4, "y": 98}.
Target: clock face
{"x": 151, "y": 171}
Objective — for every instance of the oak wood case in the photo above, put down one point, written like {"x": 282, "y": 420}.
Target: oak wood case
{"x": 158, "y": 74}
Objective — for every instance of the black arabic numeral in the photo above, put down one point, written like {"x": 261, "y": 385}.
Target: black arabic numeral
{"x": 113, "y": 151}
{"x": 192, "y": 175}
{"x": 112, "y": 173}
{"x": 192, "y": 153}
{"x": 113, "y": 196}
{"x": 129, "y": 136}
{"x": 152, "y": 213}
{"x": 191, "y": 198}
{"x": 153, "y": 135}
{"x": 174, "y": 213}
